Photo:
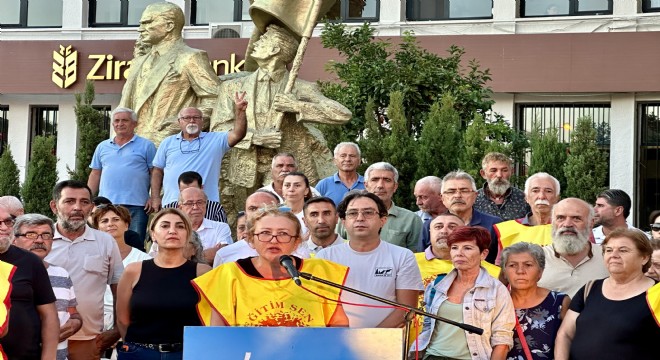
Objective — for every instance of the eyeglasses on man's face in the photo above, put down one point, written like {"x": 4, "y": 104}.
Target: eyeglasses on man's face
{"x": 34, "y": 236}
{"x": 190, "y": 118}
{"x": 192, "y": 204}
{"x": 8, "y": 222}
{"x": 367, "y": 214}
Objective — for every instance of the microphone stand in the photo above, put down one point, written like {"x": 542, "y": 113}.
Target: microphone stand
{"x": 410, "y": 309}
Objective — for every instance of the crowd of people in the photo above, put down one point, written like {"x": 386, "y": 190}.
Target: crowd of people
{"x": 544, "y": 277}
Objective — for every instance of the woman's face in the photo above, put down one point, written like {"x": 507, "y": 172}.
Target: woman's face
{"x": 655, "y": 233}
{"x": 465, "y": 255}
{"x": 170, "y": 232}
{"x": 111, "y": 223}
{"x": 522, "y": 271}
{"x": 622, "y": 257}
{"x": 268, "y": 247}
{"x": 294, "y": 189}
{"x": 654, "y": 270}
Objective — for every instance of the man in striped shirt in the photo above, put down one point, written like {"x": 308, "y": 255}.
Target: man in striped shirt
{"x": 214, "y": 210}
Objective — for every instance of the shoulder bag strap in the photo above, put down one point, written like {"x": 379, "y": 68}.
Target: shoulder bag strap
{"x": 523, "y": 342}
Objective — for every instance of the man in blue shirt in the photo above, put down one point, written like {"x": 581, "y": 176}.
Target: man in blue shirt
{"x": 194, "y": 150}
{"x": 347, "y": 159}
{"x": 121, "y": 169}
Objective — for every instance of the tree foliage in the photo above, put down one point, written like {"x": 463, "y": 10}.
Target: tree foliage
{"x": 41, "y": 176}
{"x": 90, "y": 132}
{"x": 586, "y": 165}
{"x": 548, "y": 154}
{"x": 9, "y": 182}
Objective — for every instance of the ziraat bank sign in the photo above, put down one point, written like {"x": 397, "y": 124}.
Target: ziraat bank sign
{"x": 108, "y": 67}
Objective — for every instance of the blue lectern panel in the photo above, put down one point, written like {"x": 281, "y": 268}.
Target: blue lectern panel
{"x": 285, "y": 343}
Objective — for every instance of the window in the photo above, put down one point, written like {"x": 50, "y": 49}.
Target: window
{"x": 32, "y": 13}
{"x": 650, "y": 5}
{"x": 355, "y": 10}
{"x": 448, "y": 9}
{"x": 648, "y": 163}
{"x": 4, "y": 127}
{"x": 204, "y": 12}
{"x": 43, "y": 122}
{"x": 535, "y": 8}
{"x": 108, "y": 13}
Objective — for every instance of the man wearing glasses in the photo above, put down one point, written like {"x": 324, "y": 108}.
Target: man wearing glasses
{"x": 377, "y": 267}
{"x": 194, "y": 150}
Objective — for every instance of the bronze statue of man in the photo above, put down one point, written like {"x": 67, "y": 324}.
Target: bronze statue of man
{"x": 169, "y": 77}
{"x": 249, "y": 165}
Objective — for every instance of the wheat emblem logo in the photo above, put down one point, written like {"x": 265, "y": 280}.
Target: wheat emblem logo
{"x": 65, "y": 67}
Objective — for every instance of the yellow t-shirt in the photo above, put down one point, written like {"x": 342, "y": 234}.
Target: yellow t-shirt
{"x": 511, "y": 232}
{"x": 6, "y": 273}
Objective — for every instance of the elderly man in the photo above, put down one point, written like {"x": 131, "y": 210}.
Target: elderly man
{"x": 347, "y": 158}
{"x": 241, "y": 249}
{"x": 403, "y": 227}
{"x": 170, "y": 77}
{"x": 429, "y": 197}
{"x": 572, "y": 259}
{"x": 458, "y": 194}
{"x": 611, "y": 210}
{"x": 33, "y": 322}
{"x": 281, "y": 165}
{"x": 12, "y": 205}
{"x": 214, "y": 210}
{"x": 377, "y": 267}
{"x": 320, "y": 217}
{"x": 121, "y": 169}
{"x": 34, "y": 233}
{"x": 194, "y": 150}
{"x": 92, "y": 259}
{"x": 497, "y": 197}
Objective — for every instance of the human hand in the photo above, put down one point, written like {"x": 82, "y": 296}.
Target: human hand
{"x": 107, "y": 339}
{"x": 153, "y": 205}
{"x": 240, "y": 103}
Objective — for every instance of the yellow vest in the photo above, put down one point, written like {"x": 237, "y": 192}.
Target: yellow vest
{"x": 511, "y": 232}
{"x": 6, "y": 273}
{"x": 653, "y": 299}
{"x": 243, "y": 300}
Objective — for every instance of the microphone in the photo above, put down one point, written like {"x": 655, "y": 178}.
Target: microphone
{"x": 287, "y": 262}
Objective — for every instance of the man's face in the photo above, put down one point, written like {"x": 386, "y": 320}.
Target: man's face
{"x": 542, "y": 195}
{"x": 72, "y": 208}
{"x": 190, "y": 121}
{"x": 257, "y": 201}
{"x": 321, "y": 219}
{"x": 441, "y": 227}
{"x": 497, "y": 174}
{"x": 39, "y": 246}
{"x": 427, "y": 199}
{"x": 193, "y": 204}
{"x": 458, "y": 195}
{"x": 282, "y": 166}
{"x": 570, "y": 227}
{"x": 123, "y": 124}
{"x": 6, "y": 229}
{"x": 153, "y": 28}
{"x": 241, "y": 228}
{"x": 362, "y": 221}
{"x": 381, "y": 183}
{"x": 605, "y": 214}
{"x": 347, "y": 159}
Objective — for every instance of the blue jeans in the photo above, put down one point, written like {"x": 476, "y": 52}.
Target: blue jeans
{"x": 128, "y": 351}
{"x": 139, "y": 220}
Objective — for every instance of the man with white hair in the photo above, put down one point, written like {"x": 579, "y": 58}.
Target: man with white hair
{"x": 572, "y": 260}
{"x": 347, "y": 158}
{"x": 497, "y": 197}
{"x": 12, "y": 205}
{"x": 121, "y": 169}
{"x": 428, "y": 195}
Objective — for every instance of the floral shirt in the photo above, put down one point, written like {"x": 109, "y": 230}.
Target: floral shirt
{"x": 514, "y": 207}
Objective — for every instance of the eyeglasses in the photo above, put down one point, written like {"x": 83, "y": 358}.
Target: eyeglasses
{"x": 35, "y": 236}
{"x": 367, "y": 214}
{"x": 461, "y": 192}
{"x": 655, "y": 227}
{"x": 192, "y": 146}
{"x": 199, "y": 203}
{"x": 190, "y": 118}
{"x": 8, "y": 222}
{"x": 267, "y": 236}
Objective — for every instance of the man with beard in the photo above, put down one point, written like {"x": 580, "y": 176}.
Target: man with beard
{"x": 428, "y": 196}
{"x": 320, "y": 217}
{"x": 33, "y": 324}
{"x": 194, "y": 150}
{"x": 498, "y": 197}
{"x": 572, "y": 259}
{"x": 281, "y": 165}
{"x": 92, "y": 259}
{"x": 611, "y": 210}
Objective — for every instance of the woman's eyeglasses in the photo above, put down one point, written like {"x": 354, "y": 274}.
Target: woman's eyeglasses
{"x": 266, "y": 236}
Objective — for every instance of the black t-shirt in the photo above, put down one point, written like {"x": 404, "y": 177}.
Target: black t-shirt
{"x": 132, "y": 239}
{"x": 30, "y": 288}
{"x": 608, "y": 329}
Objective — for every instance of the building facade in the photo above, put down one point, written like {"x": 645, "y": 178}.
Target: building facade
{"x": 551, "y": 60}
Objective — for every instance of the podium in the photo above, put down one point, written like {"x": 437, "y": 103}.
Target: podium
{"x": 289, "y": 343}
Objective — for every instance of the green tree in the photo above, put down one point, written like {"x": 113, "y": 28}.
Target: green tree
{"x": 439, "y": 145}
{"x": 90, "y": 132}
{"x": 475, "y": 146}
{"x": 372, "y": 139}
{"x": 586, "y": 165}
{"x": 9, "y": 183}
{"x": 41, "y": 176}
{"x": 548, "y": 154}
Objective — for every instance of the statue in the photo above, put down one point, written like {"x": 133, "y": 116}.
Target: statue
{"x": 170, "y": 76}
{"x": 249, "y": 164}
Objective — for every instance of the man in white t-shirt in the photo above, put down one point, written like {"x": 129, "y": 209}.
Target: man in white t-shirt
{"x": 376, "y": 267}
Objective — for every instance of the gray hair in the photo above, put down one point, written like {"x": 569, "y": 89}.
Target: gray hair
{"x": 434, "y": 182}
{"x": 524, "y": 247}
{"x": 198, "y": 256}
{"x": 11, "y": 203}
{"x": 33, "y": 220}
{"x": 458, "y": 175}
{"x": 381, "y": 166}
{"x": 206, "y": 198}
{"x": 346, "y": 143}
{"x": 120, "y": 110}
{"x": 283, "y": 154}
{"x": 528, "y": 182}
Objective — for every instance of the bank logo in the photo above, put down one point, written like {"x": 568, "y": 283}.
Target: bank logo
{"x": 65, "y": 67}
{"x": 383, "y": 272}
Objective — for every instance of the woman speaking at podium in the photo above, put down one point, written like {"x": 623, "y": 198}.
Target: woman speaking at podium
{"x": 258, "y": 291}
